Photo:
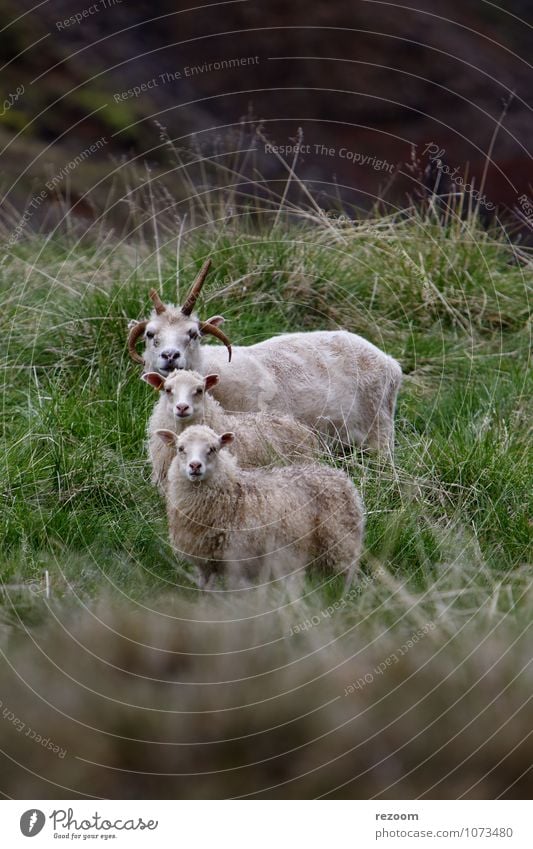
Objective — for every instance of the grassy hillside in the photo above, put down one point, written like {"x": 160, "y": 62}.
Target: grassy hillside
{"x": 450, "y": 304}
{"x": 448, "y": 529}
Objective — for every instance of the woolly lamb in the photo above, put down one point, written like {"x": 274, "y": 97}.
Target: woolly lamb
{"x": 263, "y": 438}
{"x": 333, "y": 381}
{"x": 256, "y": 524}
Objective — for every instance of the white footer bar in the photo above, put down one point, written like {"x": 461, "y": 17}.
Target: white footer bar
{"x": 267, "y": 824}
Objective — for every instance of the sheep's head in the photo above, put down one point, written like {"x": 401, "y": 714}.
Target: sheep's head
{"x": 172, "y": 334}
{"x": 197, "y": 450}
{"x": 183, "y": 391}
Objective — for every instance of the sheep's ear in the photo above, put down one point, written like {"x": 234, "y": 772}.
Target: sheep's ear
{"x": 216, "y": 320}
{"x": 167, "y": 436}
{"x": 154, "y": 379}
{"x": 226, "y": 439}
{"x": 210, "y": 380}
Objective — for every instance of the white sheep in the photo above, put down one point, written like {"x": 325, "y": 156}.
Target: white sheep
{"x": 245, "y": 524}
{"x": 333, "y": 381}
{"x": 185, "y": 400}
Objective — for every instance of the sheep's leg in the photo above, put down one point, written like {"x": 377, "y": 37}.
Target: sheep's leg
{"x": 350, "y": 574}
{"x": 380, "y": 436}
{"x": 242, "y": 575}
{"x": 383, "y": 431}
{"x": 341, "y": 556}
{"x": 344, "y": 559}
{"x": 258, "y": 571}
{"x": 210, "y": 582}
{"x": 207, "y": 574}
{"x": 385, "y": 451}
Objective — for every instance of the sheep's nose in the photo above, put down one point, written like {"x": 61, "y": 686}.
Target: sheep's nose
{"x": 170, "y": 354}
{"x": 182, "y": 408}
{"x": 195, "y": 466}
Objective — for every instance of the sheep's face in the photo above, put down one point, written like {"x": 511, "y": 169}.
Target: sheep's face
{"x": 172, "y": 341}
{"x": 172, "y": 334}
{"x": 183, "y": 391}
{"x": 197, "y": 450}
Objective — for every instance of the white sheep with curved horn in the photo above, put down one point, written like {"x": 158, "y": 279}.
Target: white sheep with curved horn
{"x": 333, "y": 381}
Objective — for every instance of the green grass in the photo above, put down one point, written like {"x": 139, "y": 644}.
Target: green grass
{"x": 450, "y": 302}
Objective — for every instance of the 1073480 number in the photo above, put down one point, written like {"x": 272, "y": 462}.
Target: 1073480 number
{"x": 487, "y": 831}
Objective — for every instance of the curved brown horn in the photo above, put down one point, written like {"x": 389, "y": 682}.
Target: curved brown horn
{"x": 190, "y": 300}
{"x": 157, "y": 302}
{"x": 136, "y": 331}
{"x": 205, "y": 327}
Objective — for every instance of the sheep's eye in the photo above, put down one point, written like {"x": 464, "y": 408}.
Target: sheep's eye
{"x": 181, "y": 449}
{"x": 199, "y": 391}
{"x": 193, "y": 334}
{"x": 211, "y": 450}
{"x": 150, "y": 334}
{"x": 168, "y": 391}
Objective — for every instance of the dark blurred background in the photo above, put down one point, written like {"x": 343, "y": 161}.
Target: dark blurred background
{"x": 377, "y": 88}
